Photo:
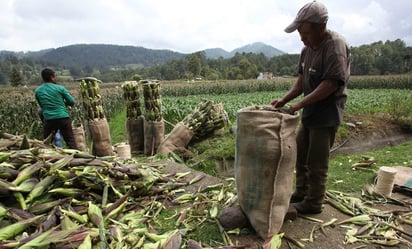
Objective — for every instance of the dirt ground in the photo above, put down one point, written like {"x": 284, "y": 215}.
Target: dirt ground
{"x": 331, "y": 237}
{"x": 299, "y": 229}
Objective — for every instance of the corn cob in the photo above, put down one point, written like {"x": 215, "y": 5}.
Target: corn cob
{"x": 131, "y": 94}
{"x": 274, "y": 242}
{"x": 40, "y": 187}
{"x": 205, "y": 118}
{"x": 27, "y": 173}
{"x": 92, "y": 103}
{"x": 87, "y": 243}
{"x": 152, "y": 102}
{"x": 16, "y": 228}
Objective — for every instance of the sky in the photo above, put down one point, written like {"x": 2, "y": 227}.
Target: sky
{"x": 188, "y": 26}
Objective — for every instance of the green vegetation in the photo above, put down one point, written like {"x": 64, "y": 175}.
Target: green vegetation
{"x": 344, "y": 178}
{"x": 369, "y": 97}
{"x": 111, "y": 63}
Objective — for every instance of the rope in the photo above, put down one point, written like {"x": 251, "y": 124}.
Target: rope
{"x": 385, "y": 181}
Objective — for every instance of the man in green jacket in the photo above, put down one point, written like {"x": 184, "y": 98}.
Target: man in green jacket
{"x": 53, "y": 99}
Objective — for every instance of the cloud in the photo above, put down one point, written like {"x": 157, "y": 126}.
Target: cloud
{"x": 188, "y": 26}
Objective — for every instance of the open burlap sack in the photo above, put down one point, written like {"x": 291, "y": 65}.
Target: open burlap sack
{"x": 80, "y": 137}
{"x": 100, "y": 133}
{"x": 264, "y": 161}
{"x": 153, "y": 135}
{"x": 179, "y": 137}
{"x": 135, "y": 134}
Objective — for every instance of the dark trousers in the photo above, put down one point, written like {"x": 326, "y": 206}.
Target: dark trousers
{"x": 313, "y": 146}
{"x": 65, "y": 127}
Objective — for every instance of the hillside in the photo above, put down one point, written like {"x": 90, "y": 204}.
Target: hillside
{"x": 101, "y": 55}
{"x": 256, "y": 48}
{"x": 104, "y": 55}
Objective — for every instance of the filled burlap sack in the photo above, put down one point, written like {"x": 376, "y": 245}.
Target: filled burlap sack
{"x": 153, "y": 135}
{"x": 100, "y": 133}
{"x": 80, "y": 137}
{"x": 179, "y": 137}
{"x": 265, "y": 158}
{"x": 135, "y": 134}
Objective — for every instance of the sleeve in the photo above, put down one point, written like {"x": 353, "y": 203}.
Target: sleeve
{"x": 336, "y": 62}
{"x": 68, "y": 98}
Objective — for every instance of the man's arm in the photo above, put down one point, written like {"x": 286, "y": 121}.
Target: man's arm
{"x": 295, "y": 91}
{"x": 325, "y": 88}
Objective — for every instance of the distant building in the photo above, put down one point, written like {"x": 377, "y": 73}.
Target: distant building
{"x": 265, "y": 76}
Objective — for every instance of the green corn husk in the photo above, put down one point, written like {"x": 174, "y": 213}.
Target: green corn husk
{"x": 206, "y": 118}
{"x": 356, "y": 219}
{"x": 4, "y": 156}
{"x": 152, "y": 102}
{"x": 95, "y": 215}
{"x": 275, "y": 242}
{"x": 40, "y": 188}
{"x": 46, "y": 206}
{"x": 27, "y": 172}
{"x": 92, "y": 102}
{"x": 27, "y": 185}
{"x": 87, "y": 243}
{"x": 131, "y": 94}
{"x": 12, "y": 230}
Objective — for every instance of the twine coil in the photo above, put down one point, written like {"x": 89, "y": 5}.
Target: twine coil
{"x": 123, "y": 151}
{"x": 385, "y": 181}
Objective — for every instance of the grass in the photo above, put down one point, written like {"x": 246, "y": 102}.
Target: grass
{"x": 207, "y": 153}
{"x": 343, "y": 178}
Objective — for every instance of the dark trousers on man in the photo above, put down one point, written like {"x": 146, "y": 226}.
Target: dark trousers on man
{"x": 65, "y": 127}
{"x": 313, "y": 149}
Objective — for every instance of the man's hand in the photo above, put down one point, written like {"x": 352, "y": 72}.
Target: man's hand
{"x": 278, "y": 103}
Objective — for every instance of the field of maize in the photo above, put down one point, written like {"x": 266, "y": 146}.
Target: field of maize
{"x": 367, "y": 95}
{"x": 61, "y": 198}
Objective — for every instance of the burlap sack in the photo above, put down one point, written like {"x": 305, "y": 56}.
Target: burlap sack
{"x": 264, "y": 161}
{"x": 80, "y": 137}
{"x": 179, "y": 137}
{"x": 100, "y": 133}
{"x": 403, "y": 179}
{"x": 135, "y": 134}
{"x": 153, "y": 135}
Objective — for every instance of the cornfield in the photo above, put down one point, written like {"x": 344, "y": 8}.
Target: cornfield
{"x": 369, "y": 94}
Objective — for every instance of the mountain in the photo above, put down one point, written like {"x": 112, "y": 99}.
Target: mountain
{"x": 103, "y": 55}
{"x": 257, "y": 48}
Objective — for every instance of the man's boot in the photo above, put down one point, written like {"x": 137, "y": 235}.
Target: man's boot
{"x": 313, "y": 201}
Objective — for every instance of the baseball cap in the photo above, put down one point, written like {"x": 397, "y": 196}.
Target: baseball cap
{"x": 312, "y": 12}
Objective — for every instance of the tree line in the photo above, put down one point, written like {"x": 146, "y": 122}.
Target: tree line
{"x": 378, "y": 58}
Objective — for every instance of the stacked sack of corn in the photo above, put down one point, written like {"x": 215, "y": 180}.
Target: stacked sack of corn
{"x": 134, "y": 118}
{"x": 98, "y": 125}
{"x": 205, "y": 119}
{"x": 153, "y": 123}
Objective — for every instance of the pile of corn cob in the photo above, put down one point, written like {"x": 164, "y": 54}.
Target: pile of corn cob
{"x": 131, "y": 94}
{"x": 61, "y": 198}
{"x": 152, "y": 100}
{"x": 205, "y": 118}
{"x": 370, "y": 225}
{"x": 92, "y": 101}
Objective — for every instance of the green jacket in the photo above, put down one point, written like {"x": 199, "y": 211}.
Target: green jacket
{"x": 53, "y": 99}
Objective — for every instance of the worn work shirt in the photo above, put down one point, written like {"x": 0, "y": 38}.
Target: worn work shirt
{"x": 53, "y": 99}
{"x": 330, "y": 61}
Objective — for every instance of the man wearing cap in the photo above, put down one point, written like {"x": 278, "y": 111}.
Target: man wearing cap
{"x": 323, "y": 74}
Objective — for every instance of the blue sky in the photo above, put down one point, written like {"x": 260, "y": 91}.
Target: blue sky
{"x": 191, "y": 25}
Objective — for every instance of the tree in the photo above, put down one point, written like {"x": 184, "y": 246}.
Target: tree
{"x": 193, "y": 65}
{"x": 16, "y": 78}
